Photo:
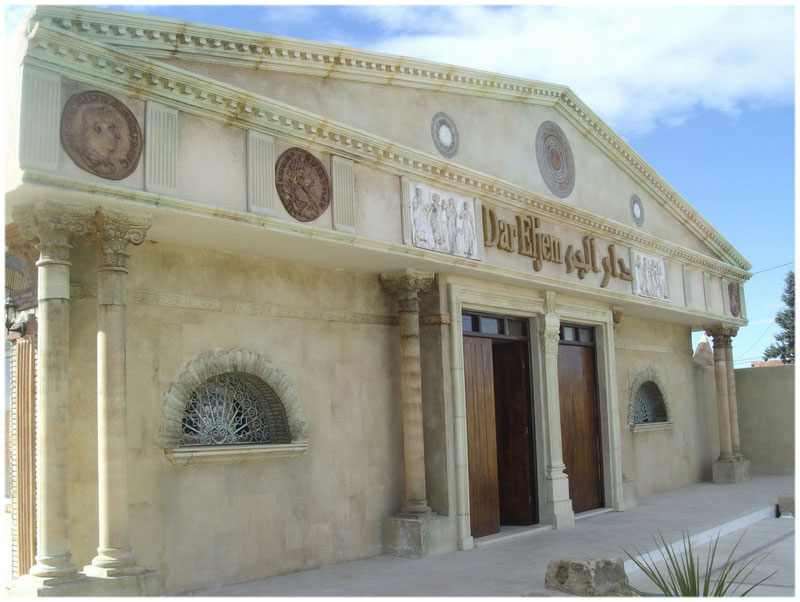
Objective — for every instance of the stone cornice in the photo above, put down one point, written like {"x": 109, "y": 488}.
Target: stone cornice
{"x": 103, "y": 66}
{"x": 164, "y": 38}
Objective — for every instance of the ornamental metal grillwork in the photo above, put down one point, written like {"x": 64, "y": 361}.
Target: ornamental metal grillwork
{"x": 234, "y": 407}
{"x": 649, "y": 405}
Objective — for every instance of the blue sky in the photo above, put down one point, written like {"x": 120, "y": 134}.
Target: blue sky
{"x": 703, "y": 94}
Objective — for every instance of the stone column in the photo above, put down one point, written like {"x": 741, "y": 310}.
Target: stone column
{"x": 52, "y": 224}
{"x": 407, "y": 285}
{"x": 556, "y": 480}
{"x": 721, "y": 340}
{"x": 732, "y": 409}
{"x": 111, "y": 234}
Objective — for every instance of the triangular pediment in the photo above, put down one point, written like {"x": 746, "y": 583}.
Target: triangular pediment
{"x": 242, "y": 59}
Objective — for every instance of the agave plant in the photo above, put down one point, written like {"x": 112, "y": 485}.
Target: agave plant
{"x": 681, "y": 575}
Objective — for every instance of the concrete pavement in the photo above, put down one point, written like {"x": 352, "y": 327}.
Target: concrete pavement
{"x": 515, "y": 561}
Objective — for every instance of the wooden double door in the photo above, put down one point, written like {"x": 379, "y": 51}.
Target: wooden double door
{"x": 502, "y": 485}
{"x": 580, "y": 417}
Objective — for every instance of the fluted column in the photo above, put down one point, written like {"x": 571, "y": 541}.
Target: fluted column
{"x": 555, "y": 478}
{"x": 721, "y": 340}
{"x": 52, "y": 224}
{"x": 732, "y": 407}
{"x": 407, "y": 285}
{"x": 111, "y": 234}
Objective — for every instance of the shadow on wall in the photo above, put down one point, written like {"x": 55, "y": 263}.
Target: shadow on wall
{"x": 765, "y": 401}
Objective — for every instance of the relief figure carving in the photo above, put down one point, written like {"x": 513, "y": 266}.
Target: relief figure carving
{"x": 651, "y": 277}
{"x": 442, "y": 222}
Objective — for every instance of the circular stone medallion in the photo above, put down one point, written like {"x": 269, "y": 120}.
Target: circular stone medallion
{"x": 637, "y": 210}
{"x": 444, "y": 134}
{"x": 733, "y": 297}
{"x": 555, "y": 159}
{"x": 303, "y": 184}
{"x": 101, "y": 135}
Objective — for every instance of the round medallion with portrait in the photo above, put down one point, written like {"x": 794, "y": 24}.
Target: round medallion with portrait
{"x": 101, "y": 135}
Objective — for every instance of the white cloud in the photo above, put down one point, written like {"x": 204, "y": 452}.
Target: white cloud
{"x": 636, "y": 67}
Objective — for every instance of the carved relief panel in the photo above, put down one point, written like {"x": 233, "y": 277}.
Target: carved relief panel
{"x": 650, "y": 276}
{"x": 439, "y": 220}
{"x": 101, "y": 135}
{"x": 303, "y": 184}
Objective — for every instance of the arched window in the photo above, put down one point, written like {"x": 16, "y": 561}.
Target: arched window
{"x": 648, "y": 404}
{"x": 234, "y": 407}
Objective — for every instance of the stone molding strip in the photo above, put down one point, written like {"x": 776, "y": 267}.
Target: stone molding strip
{"x": 655, "y": 349}
{"x": 104, "y": 192}
{"x": 163, "y": 38}
{"x": 86, "y": 291}
{"x": 102, "y": 65}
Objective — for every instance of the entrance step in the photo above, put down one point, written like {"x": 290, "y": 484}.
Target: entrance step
{"x": 508, "y": 533}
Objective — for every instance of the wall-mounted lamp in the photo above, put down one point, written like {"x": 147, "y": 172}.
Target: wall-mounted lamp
{"x": 11, "y": 317}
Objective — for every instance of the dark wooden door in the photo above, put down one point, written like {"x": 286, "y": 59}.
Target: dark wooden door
{"x": 580, "y": 425}
{"x": 514, "y": 440}
{"x": 481, "y": 437}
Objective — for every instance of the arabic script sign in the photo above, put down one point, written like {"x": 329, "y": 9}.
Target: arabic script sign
{"x": 524, "y": 236}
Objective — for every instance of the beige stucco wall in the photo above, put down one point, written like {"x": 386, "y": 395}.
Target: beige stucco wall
{"x": 766, "y": 417}
{"x": 263, "y": 517}
{"x": 682, "y": 453}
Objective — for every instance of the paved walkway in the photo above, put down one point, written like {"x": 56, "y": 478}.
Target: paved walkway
{"x": 513, "y": 566}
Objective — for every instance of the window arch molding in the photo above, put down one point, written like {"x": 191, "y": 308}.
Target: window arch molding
{"x": 216, "y": 363}
{"x": 639, "y": 377}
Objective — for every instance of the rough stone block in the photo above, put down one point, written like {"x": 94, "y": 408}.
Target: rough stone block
{"x": 786, "y": 505}
{"x": 598, "y": 577}
{"x": 736, "y": 471}
{"x": 417, "y": 537}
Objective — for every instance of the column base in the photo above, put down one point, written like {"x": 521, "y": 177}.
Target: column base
{"x": 145, "y": 584}
{"x": 29, "y": 586}
{"x": 418, "y": 536}
{"x": 736, "y": 470}
{"x": 629, "y": 497}
{"x": 558, "y": 497}
{"x": 105, "y": 572}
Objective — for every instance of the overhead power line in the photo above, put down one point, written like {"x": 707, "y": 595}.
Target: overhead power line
{"x": 770, "y": 325}
{"x": 773, "y": 268}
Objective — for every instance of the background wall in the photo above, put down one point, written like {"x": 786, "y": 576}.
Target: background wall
{"x": 765, "y": 399}
{"x": 682, "y": 453}
{"x": 330, "y": 332}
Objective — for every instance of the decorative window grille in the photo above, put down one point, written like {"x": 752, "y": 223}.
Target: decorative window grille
{"x": 649, "y": 405}
{"x": 234, "y": 407}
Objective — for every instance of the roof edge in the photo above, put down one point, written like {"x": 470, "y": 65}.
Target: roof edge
{"x": 295, "y": 55}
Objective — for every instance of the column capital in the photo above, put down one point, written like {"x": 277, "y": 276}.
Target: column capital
{"x": 722, "y": 334}
{"x": 112, "y": 231}
{"x": 550, "y": 340}
{"x": 52, "y": 224}
{"x": 407, "y": 285}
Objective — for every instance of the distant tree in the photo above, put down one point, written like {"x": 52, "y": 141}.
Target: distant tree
{"x": 783, "y": 348}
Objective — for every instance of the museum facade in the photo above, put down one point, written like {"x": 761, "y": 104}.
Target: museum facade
{"x": 279, "y": 304}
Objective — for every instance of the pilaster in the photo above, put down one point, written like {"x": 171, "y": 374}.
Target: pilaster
{"x": 556, "y": 480}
